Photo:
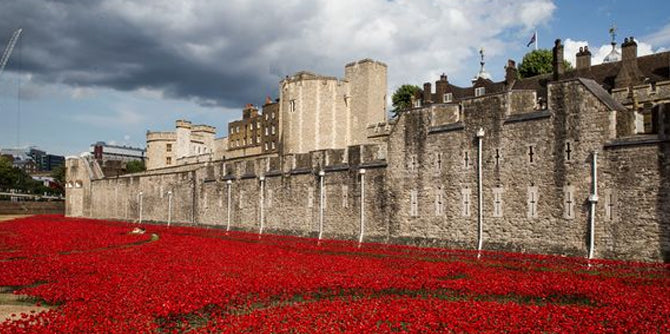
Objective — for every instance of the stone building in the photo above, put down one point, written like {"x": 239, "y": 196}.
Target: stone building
{"x": 186, "y": 144}
{"x": 572, "y": 162}
{"x": 320, "y": 112}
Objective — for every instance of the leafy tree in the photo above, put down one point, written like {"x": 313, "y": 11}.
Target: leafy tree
{"x": 135, "y": 166}
{"x": 58, "y": 174}
{"x": 538, "y": 62}
{"x": 402, "y": 98}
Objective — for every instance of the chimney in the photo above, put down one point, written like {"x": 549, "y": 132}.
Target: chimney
{"x": 628, "y": 49}
{"x": 629, "y": 74}
{"x": 583, "y": 58}
{"x": 557, "y": 61}
{"x": 511, "y": 73}
{"x": 427, "y": 93}
{"x": 441, "y": 87}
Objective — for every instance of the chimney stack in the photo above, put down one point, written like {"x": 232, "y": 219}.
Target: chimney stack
{"x": 583, "y": 57}
{"x": 427, "y": 93}
{"x": 628, "y": 49}
{"x": 511, "y": 72}
{"x": 557, "y": 61}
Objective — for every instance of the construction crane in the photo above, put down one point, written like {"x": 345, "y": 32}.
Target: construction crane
{"x": 9, "y": 49}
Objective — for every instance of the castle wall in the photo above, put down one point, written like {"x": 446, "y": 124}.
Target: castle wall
{"x": 420, "y": 185}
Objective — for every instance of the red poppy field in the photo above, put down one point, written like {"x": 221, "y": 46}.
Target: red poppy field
{"x": 96, "y": 277}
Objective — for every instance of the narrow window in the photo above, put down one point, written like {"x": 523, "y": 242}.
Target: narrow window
{"x": 267, "y": 131}
{"x": 412, "y": 163}
{"x": 479, "y": 91}
{"x": 168, "y": 161}
{"x": 497, "y": 202}
{"x": 273, "y": 129}
{"x": 291, "y": 105}
{"x": 533, "y": 197}
{"x": 569, "y": 203}
{"x": 568, "y": 151}
{"x": 168, "y": 147}
{"x": 609, "y": 204}
{"x": 497, "y": 157}
{"x": 448, "y": 97}
{"x": 345, "y": 196}
{"x": 413, "y": 203}
{"x": 439, "y": 202}
{"x": 310, "y": 197}
{"x": 465, "y": 199}
{"x": 273, "y": 145}
{"x": 438, "y": 162}
{"x": 531, "y": 153}
{"x": 466, "y": 159}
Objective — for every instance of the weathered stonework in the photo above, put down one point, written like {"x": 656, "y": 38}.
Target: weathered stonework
{"x": 415, "y": 179}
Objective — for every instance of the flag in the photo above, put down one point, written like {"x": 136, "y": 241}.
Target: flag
{"x": 532, "y": 39}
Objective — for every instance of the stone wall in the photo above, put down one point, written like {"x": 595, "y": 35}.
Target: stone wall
{"x": 28, "y": 208}
{"x": 420, "y": 184}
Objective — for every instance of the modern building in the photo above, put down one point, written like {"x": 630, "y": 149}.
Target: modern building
{"x": 102, "y": 151}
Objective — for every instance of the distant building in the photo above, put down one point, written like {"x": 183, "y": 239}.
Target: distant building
{"x": 186, "y": 144}
{"x": 102, "y": 151}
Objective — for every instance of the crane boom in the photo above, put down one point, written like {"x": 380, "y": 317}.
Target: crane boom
{"x": 9, "y": 49}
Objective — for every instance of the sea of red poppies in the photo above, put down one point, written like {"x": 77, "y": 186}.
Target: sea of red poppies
{"x": 97, "y": 277}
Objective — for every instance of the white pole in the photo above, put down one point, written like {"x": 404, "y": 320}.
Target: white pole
{"x": 593, "y": 199}
{"x": 140, "y": 200}
{"x": 228, "y": 184}
{"x": 321, "y": 175}
{"x": 362, "y": 227}
{"x": 480, "y": 217}
{"x": 536, "y": 38}
{"x": 169, "y": 193}
{"x": 262, "y": 178}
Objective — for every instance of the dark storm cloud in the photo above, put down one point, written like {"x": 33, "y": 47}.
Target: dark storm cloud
{"x": 233, "y": 52}
{"x": 210, "y": 55}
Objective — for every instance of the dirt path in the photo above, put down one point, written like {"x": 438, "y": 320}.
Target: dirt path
{"x": 11, "y": 306}
{"x": 10, "y": 217}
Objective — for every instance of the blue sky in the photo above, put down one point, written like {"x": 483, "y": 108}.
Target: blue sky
{"x": 110, "y": 70}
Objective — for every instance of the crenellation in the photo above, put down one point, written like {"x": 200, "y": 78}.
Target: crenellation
{"x": 416, "y": 179}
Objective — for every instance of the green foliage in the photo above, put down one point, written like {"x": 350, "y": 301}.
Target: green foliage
{"x": 15, "y": 178}
{"x": 402, "y": 97}
{"x": 58, "y": 174}
{"x": 538, "y": 62}
{"x": 135, "y": 166}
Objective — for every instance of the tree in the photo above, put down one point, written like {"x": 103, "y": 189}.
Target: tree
{"x": 135, "y": 166}
{"x": 402, "y": 98}
{"x": 539, "y": 62}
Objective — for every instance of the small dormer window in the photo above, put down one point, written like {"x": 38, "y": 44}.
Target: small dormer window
{"x": 448, "y": 97}
{"x": 479, "y": 91}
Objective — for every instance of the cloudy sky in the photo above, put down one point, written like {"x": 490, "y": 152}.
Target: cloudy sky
{"x": 91, "y": 70}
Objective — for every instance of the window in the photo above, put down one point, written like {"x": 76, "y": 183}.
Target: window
{"x": 531, "y": 153}
{"x": 273, "y": 129}
{"x": 291, "y": 105}
{"x": 497, "y": 202}
{"x": 438, "y": 162}
{"x": 267, "y": 131}
{"x": 465, "y": 197}
{"x": 466, "y": 159}
{"x": 439, "y": 202}
{"x": 273, "y": 145}
{"x": 237, "y": 129}
{"x": 569, "y": 203}
{"x": 345, "y": 196}
{"x": 568, "y": 151}
{"x": 448, "y": 97}
{"x": 168, "y": 147}
{"x": 533, "y": 197}
{"x": 273, "y": 115}
{"x": 417, "y": 103}
{"x": 168, "y": 161}
{"x": 310, "y": 197}
{"x": 413, "y": 203}
{"x": 479, "y": 91}
{"x": 266, "y": 146}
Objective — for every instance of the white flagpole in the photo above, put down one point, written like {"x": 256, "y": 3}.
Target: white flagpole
{"x": 535, "y": 40}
